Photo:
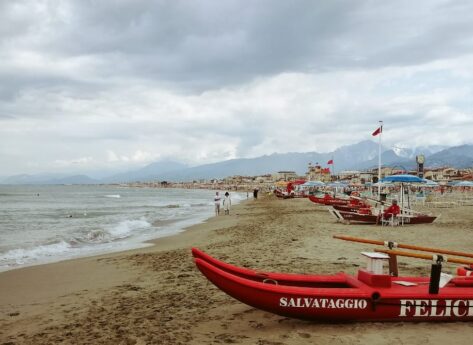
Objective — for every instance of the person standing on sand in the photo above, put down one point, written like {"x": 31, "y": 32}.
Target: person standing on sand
{"x": 217, "y": 203}
{"x": 227, "y": 202}
{"x": 255, "y": 193}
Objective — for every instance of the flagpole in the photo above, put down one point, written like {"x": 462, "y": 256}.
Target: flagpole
{"x": 333, "y": 166}
{"x": 379, "y": 160}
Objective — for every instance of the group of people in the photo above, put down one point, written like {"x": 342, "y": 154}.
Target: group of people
{"x": 227, "y": 203}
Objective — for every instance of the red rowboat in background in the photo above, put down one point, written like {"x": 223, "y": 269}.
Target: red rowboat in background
{"x": 357, "y": 217}
{"x": 330, "y": 201}
{"x": 350, "y": 208}
{"x": 341, "y": 297}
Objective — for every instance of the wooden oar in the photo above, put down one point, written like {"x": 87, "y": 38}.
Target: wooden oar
{"x": 424, "y": 256}
{"x": 386, "y": 203}
{"x": 404, "y": 246}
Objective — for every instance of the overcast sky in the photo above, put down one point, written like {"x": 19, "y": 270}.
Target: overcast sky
{"x": 100, "y": 85}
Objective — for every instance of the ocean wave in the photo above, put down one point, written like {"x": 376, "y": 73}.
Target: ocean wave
{"x": 172, "y": 206}
{"x": 23, "y": 256}
{"x": 116, "y": 196}
{"x": 45, "y": 252}
{"x": 126, "y": 227}
{"x": 201, "y": 204}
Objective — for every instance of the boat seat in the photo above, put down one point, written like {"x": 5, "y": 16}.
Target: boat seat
{"x": 375, "y": 280}
{"x": 375, "y": 261}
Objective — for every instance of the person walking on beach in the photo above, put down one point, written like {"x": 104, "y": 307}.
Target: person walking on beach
{"x": 217, "y": 203}
{"x": 255, "y": 193}
{"x": 227, "y": 202}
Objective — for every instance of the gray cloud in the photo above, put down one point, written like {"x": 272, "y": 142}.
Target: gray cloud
{"x": 208, "y": 44}
{"x": 137, "y": 80}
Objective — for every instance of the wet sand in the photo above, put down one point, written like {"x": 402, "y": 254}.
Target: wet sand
{"x": 155, "y": 295}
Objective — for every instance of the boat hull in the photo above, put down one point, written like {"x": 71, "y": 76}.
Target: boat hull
{"x": 328, "y": 202}
{"x": 347, "y": 208}
{"x": 354, "y": 217}
{"x": 344, "y": 297}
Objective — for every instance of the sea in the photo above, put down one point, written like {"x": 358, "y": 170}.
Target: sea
{"x": 42, "y": 224}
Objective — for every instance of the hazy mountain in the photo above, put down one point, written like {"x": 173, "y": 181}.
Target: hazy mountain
{"x": 353, "y": 156}
{"x": 388, "y": 158}
{"x": 458, "y": 156}
{"x": 75, "y": 179}
{"x": 149, "y": 172}
{"x": 49, "y": 179}
{"x": 360, "y": 156}
{"x": 411, "y": 153}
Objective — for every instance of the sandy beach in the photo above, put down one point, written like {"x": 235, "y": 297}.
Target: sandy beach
{"x": 155, "y": 295}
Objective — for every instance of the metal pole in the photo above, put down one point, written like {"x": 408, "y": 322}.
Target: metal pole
{"x": 379, "y": 161}
{"x": 333, "y": 167}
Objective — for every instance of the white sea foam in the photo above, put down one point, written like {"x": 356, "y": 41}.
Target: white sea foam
{"x": 23, "y": 256}
{"x": 116, "y": 196}
{"x": 126, "y": 227}
{"x": 105, "y": 226}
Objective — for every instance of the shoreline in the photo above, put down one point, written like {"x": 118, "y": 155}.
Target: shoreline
{"x": 135, "y": 240}
{"x": 155, "y": 295}
{"x": 31, "y": 284}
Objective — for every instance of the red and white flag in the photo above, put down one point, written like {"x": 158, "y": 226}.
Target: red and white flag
{"x": 377, "y": 131}
{"x": 330, "y": 161}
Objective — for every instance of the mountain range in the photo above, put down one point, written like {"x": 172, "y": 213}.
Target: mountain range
{"x": 360, "y": 156}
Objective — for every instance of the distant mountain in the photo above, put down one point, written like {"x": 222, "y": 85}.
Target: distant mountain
{"x": 411, "y": 153}
{"x": 388, "y": 158}
{"x": 360, "y": 156}
{"x": 149, "y": 172}
{"x": 354, "y": 156}
{"x": 346, "y": 157}
{"x": 458, "y": 156}
{"x": 49, "y": 179}
{"x": 75, "y": 179}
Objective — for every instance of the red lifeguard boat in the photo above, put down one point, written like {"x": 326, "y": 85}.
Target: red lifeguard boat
{"x": 341, "y": 297}
{"x": 363, "y": 218}
{"x": 329, "y": 201}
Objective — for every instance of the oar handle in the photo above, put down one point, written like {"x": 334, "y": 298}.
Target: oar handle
{"x": 404, "y": 246}
{"x": 432, "y": 257}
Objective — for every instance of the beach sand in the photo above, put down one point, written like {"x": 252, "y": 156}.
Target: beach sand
{"x": 155, "y": 295}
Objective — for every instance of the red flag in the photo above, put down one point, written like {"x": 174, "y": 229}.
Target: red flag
{"x": 330, "y": 161}
{"x": 377, "y": 131}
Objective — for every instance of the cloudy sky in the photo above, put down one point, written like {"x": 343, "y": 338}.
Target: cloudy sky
{"x": 90, "y": 86}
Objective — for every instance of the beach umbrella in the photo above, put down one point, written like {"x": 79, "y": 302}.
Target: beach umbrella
{"x": 429, "y": 183}
{"x": 313, "y": 184}
{"x": 463, "y": 184}
{"x": 403, "y": 179}
{"x": 383, "y": 184}
{"x": 337, "y": 184}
